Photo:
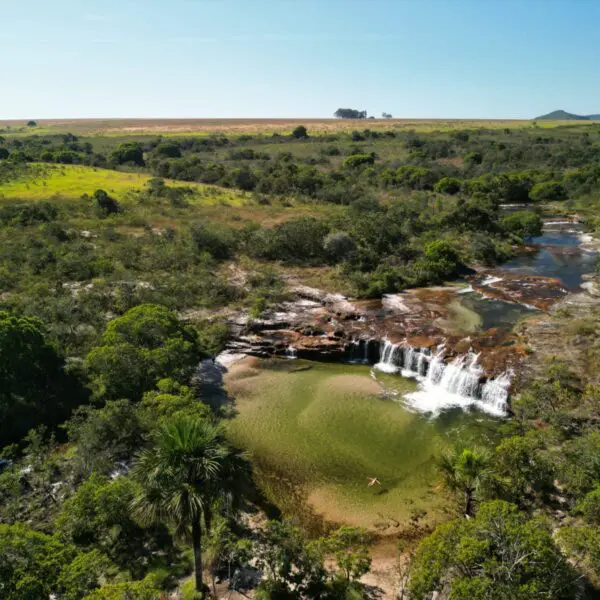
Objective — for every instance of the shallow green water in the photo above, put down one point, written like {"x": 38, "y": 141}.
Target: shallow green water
{"x": 327, "y": 428}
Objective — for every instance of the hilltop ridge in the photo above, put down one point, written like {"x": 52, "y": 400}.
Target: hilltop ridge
{"x": 563, "y": 115}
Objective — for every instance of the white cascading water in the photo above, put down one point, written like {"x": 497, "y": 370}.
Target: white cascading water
{"x": 359, "y": 352}
{"x": 445, "y": 385}
{"x": 495, "y": 392}
{"x": 388, "y": 362}
{"x": 490, "y": 280}
{"x": 291, "y": 352}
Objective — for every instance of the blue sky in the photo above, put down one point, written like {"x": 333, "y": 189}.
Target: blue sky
{"x": 298, "y": 58}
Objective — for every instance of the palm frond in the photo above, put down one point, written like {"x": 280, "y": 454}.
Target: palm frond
{"x": 188, "y": 468}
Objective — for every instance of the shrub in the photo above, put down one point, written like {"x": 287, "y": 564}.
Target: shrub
{"x": 168, "y": 150}
{"x": 441, "y": 250}
{"x": 448, "y": 185}
{"x": 128, "y": 152}
{"x": 106, "y": 205}
{"x": 416, "y": 178}
{"x": 217, "y": 242}
{"x": 339, "y": 245}
{"x": 358, "y": 160}
{"x": 547, "y": 191}
{"x": 524, "y": 224}
{"x": 300, "y": 132}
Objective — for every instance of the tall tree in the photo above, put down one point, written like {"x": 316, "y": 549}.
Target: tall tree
{"x": 182, "y": 476}
{"x": 146, "y": 344}
{"x": 466, "y": 471}
{"x": 34, "y": 388}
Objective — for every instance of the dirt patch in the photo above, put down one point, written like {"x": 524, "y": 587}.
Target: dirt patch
{"x": 384, "y": 575}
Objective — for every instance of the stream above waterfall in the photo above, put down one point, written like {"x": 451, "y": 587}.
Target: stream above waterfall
{"x": 458, "y": 341}
{"x": 460, "y": 381}
{"x": 560, "y": 254}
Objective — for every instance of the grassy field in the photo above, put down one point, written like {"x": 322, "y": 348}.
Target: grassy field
{"x": 317, "y": 432}
{"x": 179, "y": 127}
{"x": 230, "y": 207}
{"x": 44, "y": 182}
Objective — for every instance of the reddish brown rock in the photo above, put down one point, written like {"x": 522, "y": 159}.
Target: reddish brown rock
{"x": 528, "y": 290}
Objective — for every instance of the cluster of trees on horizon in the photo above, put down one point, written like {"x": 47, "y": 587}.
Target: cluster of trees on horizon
{"x": 352, "y": 113}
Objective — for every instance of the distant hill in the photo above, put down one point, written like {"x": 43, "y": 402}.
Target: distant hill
{"x": 563, "y": 115}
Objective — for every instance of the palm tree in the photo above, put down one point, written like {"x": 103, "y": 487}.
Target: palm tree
{"x": 182, "y": 475}
{"x": 466, "y": 470}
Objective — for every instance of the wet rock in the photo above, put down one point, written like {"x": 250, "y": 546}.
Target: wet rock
{"x": 528, "y": 290}
{"x": 322, "y": 326}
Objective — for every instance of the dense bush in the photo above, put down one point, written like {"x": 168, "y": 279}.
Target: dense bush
{"x": 146, "y": 344}
{"x": 525, "y": 224}
{"x": 499, "y": 554}
{"x": 300, "y": 132}
{"x": 34, "y": 388}
{"x": 358, "y": 160}
{"x": 448, "y": 185}
{"x": 128, "y": 152}
{"x": 547, "y": 191}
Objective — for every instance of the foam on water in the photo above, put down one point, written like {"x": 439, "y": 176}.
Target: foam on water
{"x": 466, "y": 290}
{"x": 491, "y": 279}
{"x": 444, "y": 385}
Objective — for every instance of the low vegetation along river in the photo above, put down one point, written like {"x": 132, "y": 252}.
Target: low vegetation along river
{"x": 401, "y": 380}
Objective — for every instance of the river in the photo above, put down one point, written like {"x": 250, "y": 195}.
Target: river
{"x": 320, "y": 429}
{"x": 457, "y": 341}
{"x": 558, "y": 254}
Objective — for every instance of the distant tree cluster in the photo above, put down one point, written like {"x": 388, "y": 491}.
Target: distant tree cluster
{"x": 350, "y": 113}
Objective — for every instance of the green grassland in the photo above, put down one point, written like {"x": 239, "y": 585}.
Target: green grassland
{"x": 44, "y": 182}
{"x": 209, "y": 203}
{"x": 317, "y": 432}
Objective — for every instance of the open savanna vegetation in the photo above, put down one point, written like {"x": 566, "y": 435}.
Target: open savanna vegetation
{"x": 39, "y": 181}
{"x": 132, "y": 251}
{"x": 237, "y": 127}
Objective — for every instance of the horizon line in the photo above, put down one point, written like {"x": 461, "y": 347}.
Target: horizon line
{"x": 249, "y": 118}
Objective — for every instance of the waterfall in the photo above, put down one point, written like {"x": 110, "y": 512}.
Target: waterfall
{"x": 422, "y": 363}
{"x": 445, "y": 385}
{"x": 389, "y": 360}
{"x": 436, "y": 367}
{"x": 495, "y": 391}
{"x": 462, "y": 376}
{"x": 290, "y": 352}
{"x": 359, "y": 352}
